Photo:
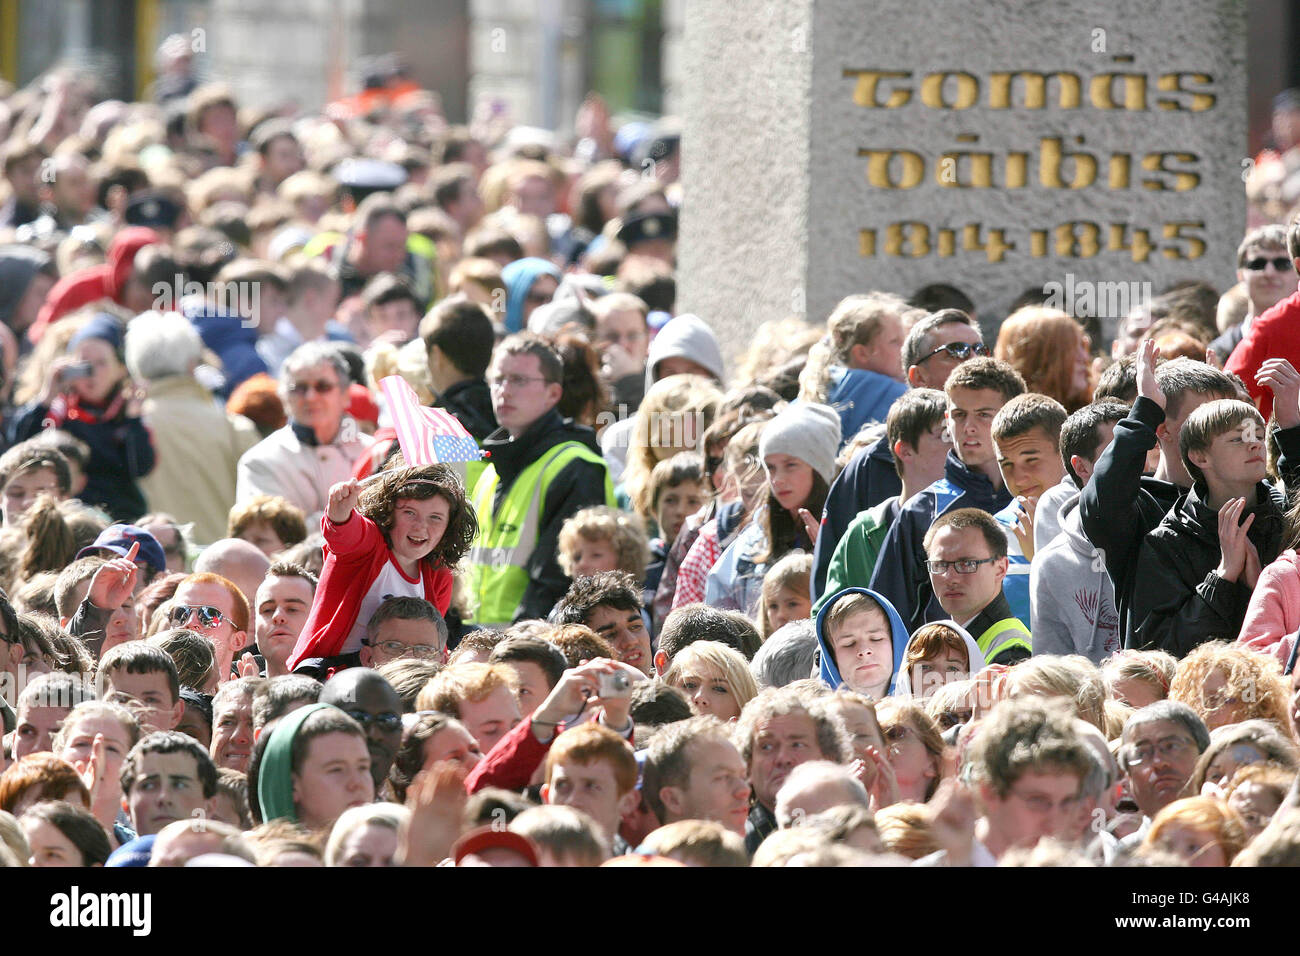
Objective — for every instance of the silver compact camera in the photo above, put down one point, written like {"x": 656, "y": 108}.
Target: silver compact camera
{"x": 617, "y": 684}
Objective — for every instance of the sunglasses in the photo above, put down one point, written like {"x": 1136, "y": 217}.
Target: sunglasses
{"x": 961, "y": 351}
{"x": 387, "y": 722}
{"x": 208, "y": 615}
{"x": 1281, "y": 264}
{"x": 320, "y": 388}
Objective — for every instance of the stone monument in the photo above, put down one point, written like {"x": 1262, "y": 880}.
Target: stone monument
{"x": 1093, "y": 150}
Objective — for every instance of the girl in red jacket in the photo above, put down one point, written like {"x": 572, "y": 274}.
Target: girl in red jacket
{"x": 400, "y": 537}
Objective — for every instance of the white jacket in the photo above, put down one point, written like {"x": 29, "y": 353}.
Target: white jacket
{"x": 283, "y": 464}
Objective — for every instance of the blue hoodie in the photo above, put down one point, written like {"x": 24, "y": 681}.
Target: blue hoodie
{"x": 519, "y": 277}
{"x": 830, "y": 672}
{"x": 234, "y": 341}
{"x": 900, "y": 572}
{"x": 861, "y": 396}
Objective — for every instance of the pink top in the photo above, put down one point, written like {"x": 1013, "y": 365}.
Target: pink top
{"x": 1273, "y": 614}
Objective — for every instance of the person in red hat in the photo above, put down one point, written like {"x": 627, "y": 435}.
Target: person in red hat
{"x": 112, "y": 280}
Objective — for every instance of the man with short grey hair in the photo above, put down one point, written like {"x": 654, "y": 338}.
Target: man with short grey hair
{"x": 787, "y": 655}
{"x": 1162, "y": 743}
{"x": 319, "y": 445}
{"x": 777, "y": 731}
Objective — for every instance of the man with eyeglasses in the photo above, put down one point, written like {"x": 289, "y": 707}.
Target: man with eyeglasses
{"x": 966, "y": 553}
{"x": 371, "y": 701}
{"x": 934, "y": 346}
{"x": 1275, "y": 334}
{"x": 319, "y": 445}
{"x": 541, "y": 470}
{"x": 1030, "y": 770}
{"x": 1162, "y": 743}
{"x": 404, "y": 627}
{"x": 1265, "y": 274}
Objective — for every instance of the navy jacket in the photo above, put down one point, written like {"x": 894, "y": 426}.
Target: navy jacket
{"x": 868, "y": 479}
{"x": 900, "y": 574}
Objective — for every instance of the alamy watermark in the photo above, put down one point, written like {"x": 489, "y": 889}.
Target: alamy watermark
{"x": 1083, "y": 298}
{"x": 237, "y": 298}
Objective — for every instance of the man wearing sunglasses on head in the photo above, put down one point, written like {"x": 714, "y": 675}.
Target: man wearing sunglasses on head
{"x": 319, "y": 445}
{"x": 214, "y": 607}
{"x": 935, "y": 346}
{"x": 1273, "y": 332}
{"x": 1265, "y": 275}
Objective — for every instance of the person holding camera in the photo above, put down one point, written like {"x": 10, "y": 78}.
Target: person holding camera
{"x": 89, "y": 394}
{"x": 598, "y": 691}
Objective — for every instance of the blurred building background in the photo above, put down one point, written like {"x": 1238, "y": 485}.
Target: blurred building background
{"x": 536, "y": 58}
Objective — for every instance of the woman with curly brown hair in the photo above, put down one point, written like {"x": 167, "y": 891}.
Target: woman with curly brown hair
{"x": 411, "y": 527}
{"x": 1051, "y": 352}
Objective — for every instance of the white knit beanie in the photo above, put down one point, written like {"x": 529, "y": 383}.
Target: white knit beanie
{"x": 807, "y": 431}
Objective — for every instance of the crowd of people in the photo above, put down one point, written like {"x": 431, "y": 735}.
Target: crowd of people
{"x": 884, "y": 593}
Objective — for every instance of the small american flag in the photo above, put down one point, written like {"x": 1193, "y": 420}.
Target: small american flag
{"x": 427, "y": 435}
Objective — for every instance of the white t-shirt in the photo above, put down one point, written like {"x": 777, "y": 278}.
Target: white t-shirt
{"x": 391, "y": 582}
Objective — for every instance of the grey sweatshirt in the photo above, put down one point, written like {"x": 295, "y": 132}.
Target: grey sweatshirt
{"x": 1072, "y": 597}
{"x": 1047, "y": 517}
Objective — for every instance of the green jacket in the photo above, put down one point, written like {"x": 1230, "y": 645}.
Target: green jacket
{"x": 855, "y": 556}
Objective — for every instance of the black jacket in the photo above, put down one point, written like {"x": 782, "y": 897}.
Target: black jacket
{"x": 868, "y": 479}
{"x": 121, "y": 451}
{"x": 759, "y": 826}
{"x": 1181, "y": 602}
{"x": 1119, "y": 507}
{"x": 471, "y": 402}
{"x": 578, "y": 485}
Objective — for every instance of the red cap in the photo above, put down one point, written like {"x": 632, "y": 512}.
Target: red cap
{"x": 491, "y": 838}
{"x": 361, "y": 404}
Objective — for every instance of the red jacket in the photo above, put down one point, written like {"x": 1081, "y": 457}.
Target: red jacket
{"x": 511, "y": 763}
{"x": 355, "y": 553}
{"x": 107, "y": 281}
{"x": 1275, "y": 334}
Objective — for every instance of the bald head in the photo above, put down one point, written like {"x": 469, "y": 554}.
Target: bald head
{"x": 361, "y": 692}
{"x": 238, "y": 561}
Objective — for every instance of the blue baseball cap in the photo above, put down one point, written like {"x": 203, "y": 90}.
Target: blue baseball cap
{"x": 118, "y": 539}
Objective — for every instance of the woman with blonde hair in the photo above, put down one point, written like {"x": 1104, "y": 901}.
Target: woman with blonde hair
{"x": 1138, "y": 678}
{"x": 1074, "y": 678}
{"x": 1051, "y": 352}
{"x": 672, "y": 418}
{"x": 744, "y": 473}
{"x": 1226, "y": 683}
{"x": 366, "y": 835}
{"x": 715, "y": 679}
{"x": 1201, "y": 831}
{"x": 857, "y": 368}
